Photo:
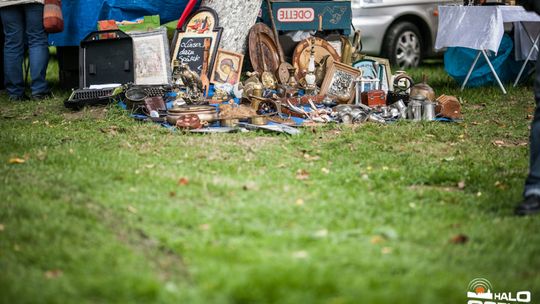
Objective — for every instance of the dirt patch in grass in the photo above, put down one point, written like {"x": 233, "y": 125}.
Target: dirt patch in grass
{"x": 92, "y": 113}
{"x": 167, "y": 263}
{"x": 422, "y": 188}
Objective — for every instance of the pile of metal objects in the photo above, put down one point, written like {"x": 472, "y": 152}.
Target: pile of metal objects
{"x": 324, "y": 81}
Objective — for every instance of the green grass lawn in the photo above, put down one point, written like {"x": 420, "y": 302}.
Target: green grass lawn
{"x": 108, "y": 210}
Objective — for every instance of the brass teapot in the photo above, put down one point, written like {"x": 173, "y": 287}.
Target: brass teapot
{"x": 423, "y": 89}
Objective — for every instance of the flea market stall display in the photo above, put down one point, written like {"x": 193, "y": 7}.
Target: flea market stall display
{"x": 191, "y": 83}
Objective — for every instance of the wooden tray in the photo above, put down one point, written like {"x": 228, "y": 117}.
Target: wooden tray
{"x": 302, "y": 53}
{"x": 263, "y": 49}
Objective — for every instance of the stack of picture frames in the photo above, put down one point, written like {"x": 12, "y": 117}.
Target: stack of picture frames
{"x": 341, "y": 79}
{"x": 197, "y": 45}
{"x": 376, "y": 73}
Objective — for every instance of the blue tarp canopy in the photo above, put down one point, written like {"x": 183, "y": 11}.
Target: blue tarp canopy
{"x": 81, "y": 16}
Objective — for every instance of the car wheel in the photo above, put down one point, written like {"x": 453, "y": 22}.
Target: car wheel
{"x": 403, "y": 45}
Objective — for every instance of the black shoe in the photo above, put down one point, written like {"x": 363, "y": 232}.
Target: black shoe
{"x": 42, "y": 96}
{"x": 529, "y": 206}
{"x": 18, "y": 98}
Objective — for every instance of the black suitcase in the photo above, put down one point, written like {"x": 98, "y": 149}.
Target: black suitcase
{"x": 106, "y": 57}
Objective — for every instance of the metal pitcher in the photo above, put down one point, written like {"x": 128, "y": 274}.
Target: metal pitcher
{"x": 428, "y": 111}
{"x": 401, "y": 108}
{"x": 415, "y": 108}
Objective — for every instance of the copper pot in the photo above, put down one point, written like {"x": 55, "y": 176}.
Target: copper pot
{"x": 423, "y": 89}
{"x": 205, "y": 113}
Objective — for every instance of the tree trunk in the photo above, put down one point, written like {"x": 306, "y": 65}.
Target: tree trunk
{"x": 236, "y": 17}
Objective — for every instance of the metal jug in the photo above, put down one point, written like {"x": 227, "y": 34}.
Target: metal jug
{"x": 415, "y": 108}
{"x": 428, "y": 111}
{"x": 401, "y": 107}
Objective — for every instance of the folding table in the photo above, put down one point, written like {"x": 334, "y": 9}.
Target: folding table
{"x": 480, "y": 28}
{"x": 523, "y": 31}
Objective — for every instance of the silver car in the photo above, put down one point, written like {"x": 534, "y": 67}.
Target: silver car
{"x": 403, "y": 31}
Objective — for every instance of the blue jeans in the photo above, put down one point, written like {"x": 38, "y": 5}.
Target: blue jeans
{"x": 23, "y": 25}
{"x": 532, "y": 185}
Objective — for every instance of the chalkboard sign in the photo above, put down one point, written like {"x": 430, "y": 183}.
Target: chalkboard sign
{"x": 190, "y": 50}
{"x": 189, "y": 43}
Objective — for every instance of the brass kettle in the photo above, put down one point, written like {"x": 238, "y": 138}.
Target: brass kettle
{"x": 423, "y": 89}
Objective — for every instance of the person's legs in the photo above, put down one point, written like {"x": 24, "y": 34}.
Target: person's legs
{"x": 13, "y": 22}
{"x": 38, "y": 46}
{"x": 2, "y": 85}
{"x": 532, "y": 185}
{"x": 531, "y": 204}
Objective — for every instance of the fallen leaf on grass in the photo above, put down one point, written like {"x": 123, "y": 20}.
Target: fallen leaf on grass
{"x": 478, "y": 107}
{"x": 503, "y": 144}
{"x": 459, "y": 239}
{"x": 501, "y": 185}
{"x": 377, "y": 239}
{"x": 53, "y": 274}
{"x": 299, "y": 202}
{"x": 2, "y": 227}
{"x": 132, "y": 209}
{"x": 499, "y": 143}
{"x": 302, "y": 174}
{"x": 300, "y": 254}
{"x": 325, "y": 170}
{"x": 184, "y": 181}
{"x": 321, "y": 233}
{"x": 498, "y": 122}
{"x": 172, "y": 194}
{"x": 112, "y": 130}
{"x": 386, "y": 250}
{"x": 311, "y": 158}
{"x": 16, "y": 161}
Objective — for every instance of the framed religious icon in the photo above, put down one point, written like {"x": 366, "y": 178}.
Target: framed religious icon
{"x": 385, "y": 72}
{"x": 151, "y": 57}
{"x": 227, "y": 68}
{"x": 340, "y": 82}
{"x": 191, "y": 43}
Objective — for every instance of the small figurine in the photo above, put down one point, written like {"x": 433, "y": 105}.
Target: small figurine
{"x": 311, "y": 78}
{"x": 190, "y": 78}
{"x": 220, "y": 95}
{"x": 320, "y": 70}
{"x": 268, "y": 81}
{"x": 292, "y": 83}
